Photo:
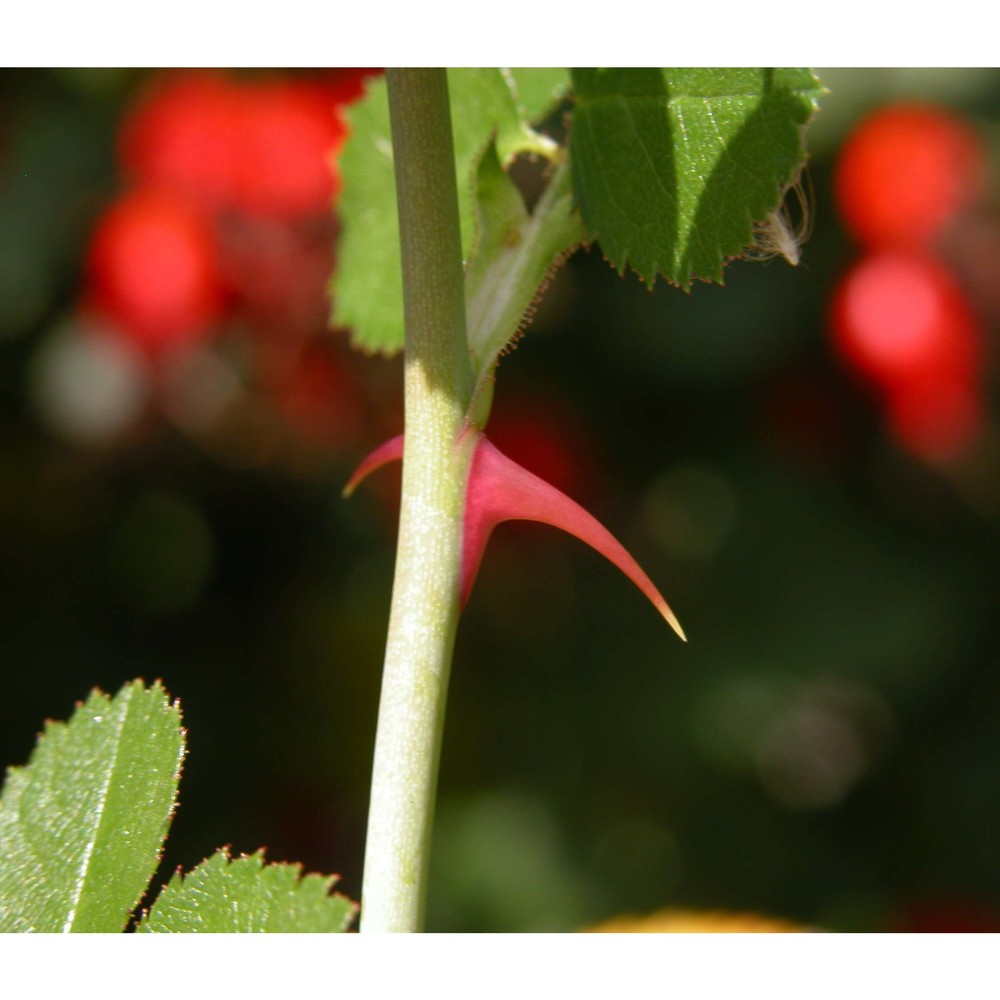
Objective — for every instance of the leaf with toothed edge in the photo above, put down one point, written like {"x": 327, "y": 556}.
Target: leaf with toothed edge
{"x": 82, "y": 824}
{"x": 245, "y": 895}
{"x": 367, "y": 285}
{"x": 672, "y": 167}
{"x": 517, "y": 254}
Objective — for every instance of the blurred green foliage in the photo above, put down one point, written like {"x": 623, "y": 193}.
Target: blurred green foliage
{"x": 824, "y": 749}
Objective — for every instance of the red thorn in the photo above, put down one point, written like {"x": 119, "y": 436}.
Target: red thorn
{"x": 391, "y": 451}
{"x": 501, "y": 490}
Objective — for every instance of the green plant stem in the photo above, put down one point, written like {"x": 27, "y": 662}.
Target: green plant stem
{"x": 425, "y": 595}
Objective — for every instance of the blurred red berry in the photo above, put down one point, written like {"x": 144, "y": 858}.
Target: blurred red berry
{"x": 151, "y": 268}
{"x": 906, "y": 170}
{"x": 259, "y": 146}
{"x": 935, "y": 419}
{"x": 291, "y": 133}
{"x": 183, "y": 135}
{"x": 900, "y": 318}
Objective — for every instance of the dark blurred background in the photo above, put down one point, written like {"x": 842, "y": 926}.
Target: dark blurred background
{"x": 805, "y": 461}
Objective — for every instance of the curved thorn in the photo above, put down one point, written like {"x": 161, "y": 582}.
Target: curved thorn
{"x": 391, "y": 451}
{"x": 501, "y": 490}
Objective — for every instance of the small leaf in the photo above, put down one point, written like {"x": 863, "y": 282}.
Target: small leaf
{"x": 516, "y": 256}
{"x": 82, "y": 825}
{"x": 367, "y": 286}
{"x": 538, "y": 91}
{"x": 483, "y": 103}
{"x": 246, "y": 895}
{"x": 672, "y": 167}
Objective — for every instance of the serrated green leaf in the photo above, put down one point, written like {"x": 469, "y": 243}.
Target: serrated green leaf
{"x": 246, "y": 895}
{"x": 516, "y": 256}
{"x": 367, "y": 286}
{"x": 82, "y": 825}
{"x": 673, "y": 166}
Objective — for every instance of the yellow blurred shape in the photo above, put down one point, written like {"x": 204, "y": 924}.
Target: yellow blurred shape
{"x": 672, "y": 921}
